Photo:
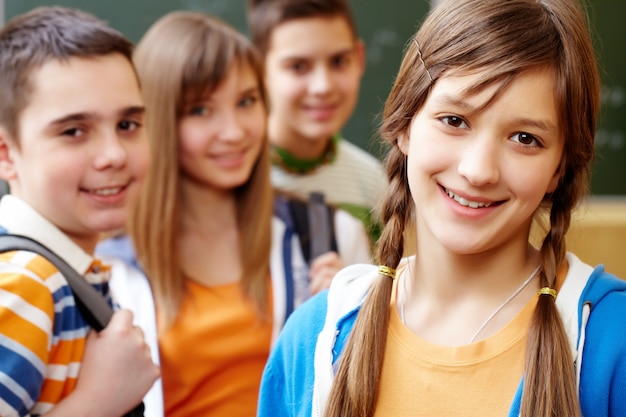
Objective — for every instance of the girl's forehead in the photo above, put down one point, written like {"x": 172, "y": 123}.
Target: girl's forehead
{"x": 477, "y": 89}
{"x": 463, "y": 91}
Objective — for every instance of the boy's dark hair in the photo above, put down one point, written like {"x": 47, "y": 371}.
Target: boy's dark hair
{"x": 265, "y": 15}
{"x": 30, "y": 40}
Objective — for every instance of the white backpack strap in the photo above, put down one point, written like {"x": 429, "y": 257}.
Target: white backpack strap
{"x": 277, "y": 272}
{"x": 346, "y": 293}
{"x": 567, "y": 303}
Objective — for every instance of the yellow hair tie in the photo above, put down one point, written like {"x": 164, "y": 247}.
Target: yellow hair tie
{"x": 385, "y": 270}
{"x": 547, "y": 291}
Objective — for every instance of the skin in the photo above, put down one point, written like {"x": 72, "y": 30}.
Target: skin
{"x": 477, "y": 175}
{"x": 322, "y": 271}
{"x": 220, "y": 139}
{"x": 80, "y": 162}
{"x": 81, "y": 157}
{"x": 313, "y": 71}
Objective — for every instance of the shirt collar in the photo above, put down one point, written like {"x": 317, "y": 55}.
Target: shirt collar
{"x": 19, "y": 218}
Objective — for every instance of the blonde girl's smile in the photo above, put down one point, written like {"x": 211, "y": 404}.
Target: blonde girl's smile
{"x": 231, "y": 159}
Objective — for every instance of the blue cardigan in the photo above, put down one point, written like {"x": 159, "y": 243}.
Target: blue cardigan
{"x": 592, "y": 305}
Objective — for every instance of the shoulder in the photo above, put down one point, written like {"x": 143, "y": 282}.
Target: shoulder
{"x": 349, "y": 150}
{"x": 603, "y": 325}
{"x": 590, "y": 288}
{"x": 349, "y": 226}
{"x": 606, "y": 296}
{"x": 327, "y": 308}
{"x": 120, "y": 247}
{"x": 293, "y": 367}
{"x": 353, "y": 241}
{"x": 128, "y": 283}
{"x": 304, "y": 323}
{"x": 371, "y": 169}
{"x": 32, "y": 276}
{"x": 294, "y": 350}
{"x": 31, "y": 286}
{"x": 289, "y": 375}
{"x": 33, "y": 306}
{"x": 348, "y": 289}
{"x": 343, "y": 219}
{"x": 601, "y": 300}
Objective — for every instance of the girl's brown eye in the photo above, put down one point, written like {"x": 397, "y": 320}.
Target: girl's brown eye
{"x": 454, "y": 121}
{"x": 526, "y": 139}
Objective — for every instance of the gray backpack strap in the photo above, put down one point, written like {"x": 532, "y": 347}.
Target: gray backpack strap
{"x": 320, "y": 225}
{"x": 92, "y": 305}
{"x": 314, "y": 223}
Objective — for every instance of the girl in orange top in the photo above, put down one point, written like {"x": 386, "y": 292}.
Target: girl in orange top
{"x": 203, "y": 231}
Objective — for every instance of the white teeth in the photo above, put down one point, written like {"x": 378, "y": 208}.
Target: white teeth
{"x": 466, "y": 203}
{"x": 107, "y": 191}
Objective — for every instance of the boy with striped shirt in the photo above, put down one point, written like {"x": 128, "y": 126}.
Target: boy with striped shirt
{"x": 74, "y": 154}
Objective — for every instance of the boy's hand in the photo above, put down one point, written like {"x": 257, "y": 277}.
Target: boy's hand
{"x": 117, "y": 369}
{"x": 323, "y": 270}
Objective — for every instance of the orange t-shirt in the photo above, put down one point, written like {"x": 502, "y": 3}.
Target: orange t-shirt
{"x": 480, "y": 379}
{"x": 213, "y": 357}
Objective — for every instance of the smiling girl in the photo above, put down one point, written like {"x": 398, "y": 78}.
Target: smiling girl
{"x": 491, "y": 124}
{"x": 224, "y": 272}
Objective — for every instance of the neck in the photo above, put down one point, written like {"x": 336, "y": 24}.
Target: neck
{"x": 288, "y": 161}
{"x": 205, "y": 208}
{"x": 453, "y": 302}
{"x": 297, "y": 144}
{"x": 447, "y": 276}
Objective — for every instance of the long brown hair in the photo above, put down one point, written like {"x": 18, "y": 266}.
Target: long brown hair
{"x": 504, "y": 38}
{"x": 182, "y": 54}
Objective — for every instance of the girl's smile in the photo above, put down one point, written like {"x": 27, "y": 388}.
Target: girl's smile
{"x": 480, "y": 165}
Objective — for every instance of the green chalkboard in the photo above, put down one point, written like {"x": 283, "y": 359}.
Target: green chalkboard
{"x": 608, "y": 18}
{"x": 385, "y": 27}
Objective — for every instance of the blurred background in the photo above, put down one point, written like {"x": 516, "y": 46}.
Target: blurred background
{"x": 385, "y": 28}
{"x": 599, "y": 228}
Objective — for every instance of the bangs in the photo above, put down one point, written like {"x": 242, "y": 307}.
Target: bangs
{"x": 208, "y": 69}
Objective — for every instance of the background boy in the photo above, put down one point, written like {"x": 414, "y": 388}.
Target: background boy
{"x": 74, "y": 154}
{"x": 314, "y": 63}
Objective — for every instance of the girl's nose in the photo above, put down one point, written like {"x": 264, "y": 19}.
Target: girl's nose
{"x": 232, "y": 128}
{"x": 480, "y": 162}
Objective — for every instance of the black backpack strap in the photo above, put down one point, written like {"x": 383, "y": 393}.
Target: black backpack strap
{"x": 91, "y": 304}
{"x": 314, "y": 223}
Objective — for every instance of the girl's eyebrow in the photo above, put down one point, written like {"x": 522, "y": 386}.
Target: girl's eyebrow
{"x": 449, "y": 100}
{"x": 545, "y": 125}
{"x": 251, "y": 90}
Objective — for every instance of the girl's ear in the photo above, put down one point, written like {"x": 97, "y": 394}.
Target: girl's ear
{"x": 7, "y": 166}
{"x": 403, "y": 142}
{"x": 554, "y": 182}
